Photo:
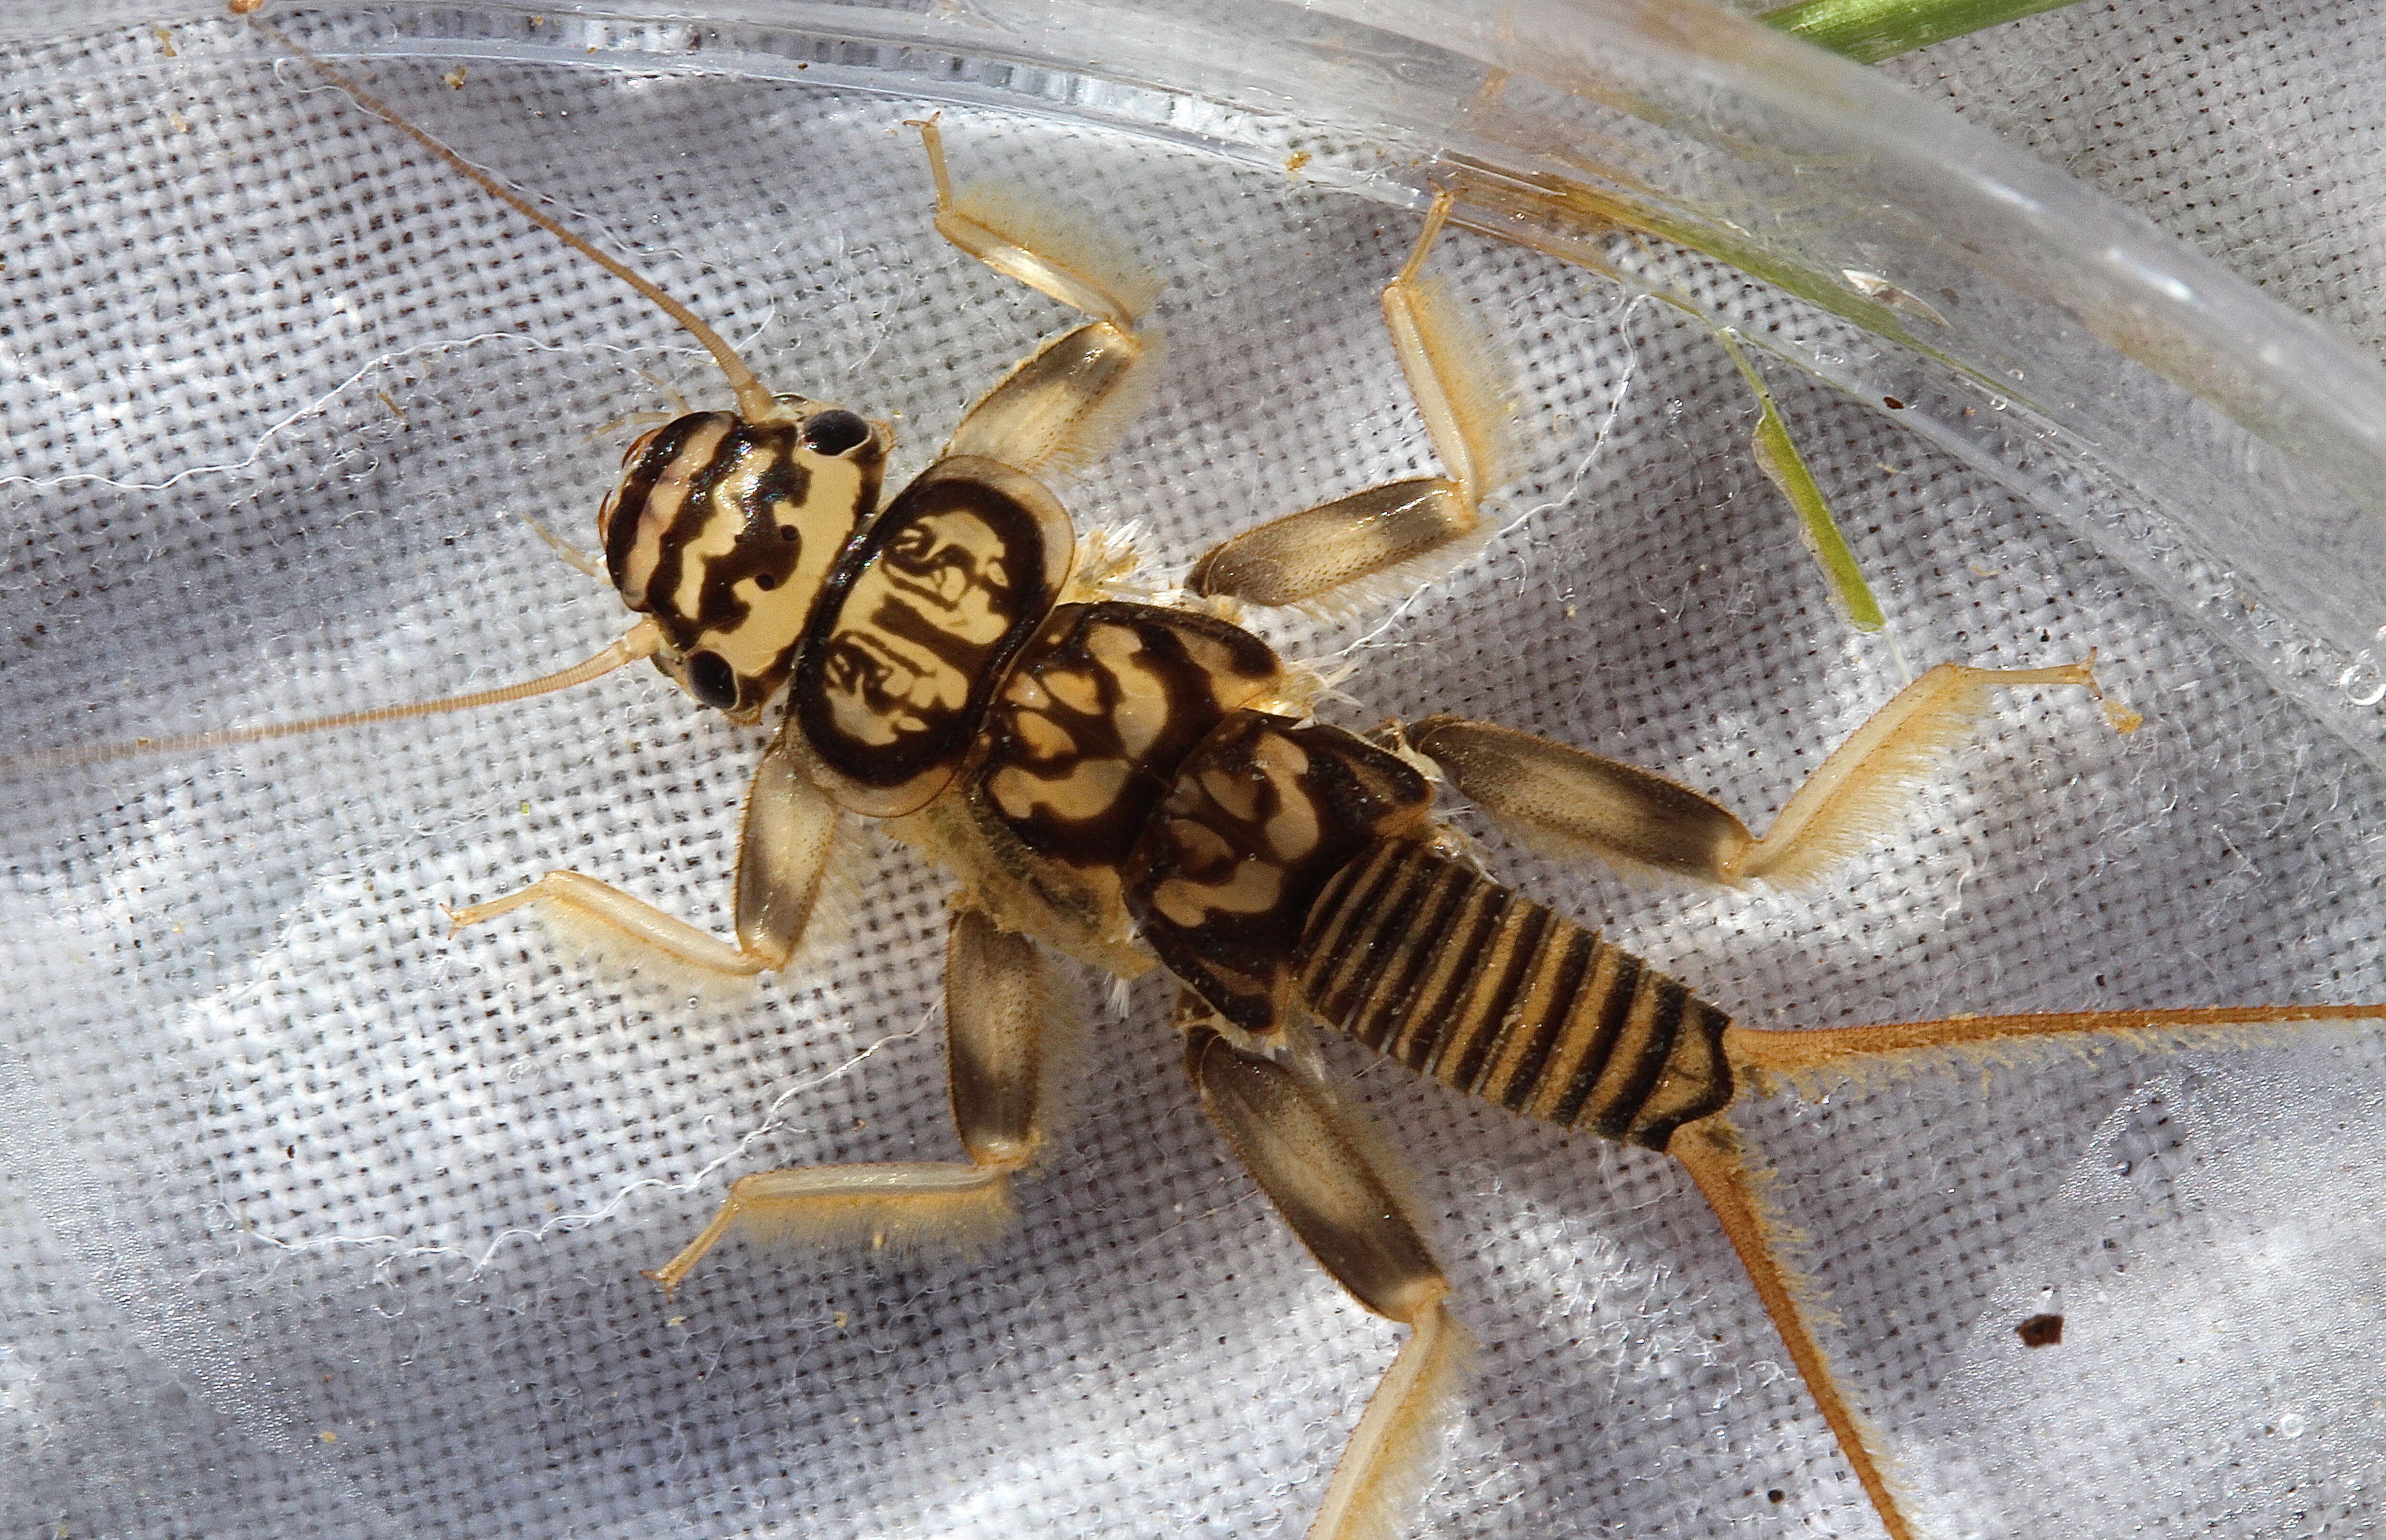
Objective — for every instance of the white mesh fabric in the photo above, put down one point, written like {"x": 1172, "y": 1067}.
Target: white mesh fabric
{"x": 2254, "y": 132}
{"x": 320, "y": 1221}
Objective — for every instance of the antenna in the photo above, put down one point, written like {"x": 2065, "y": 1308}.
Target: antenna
{"x": 643, "y": 641}
{"x": 754, "y": 400}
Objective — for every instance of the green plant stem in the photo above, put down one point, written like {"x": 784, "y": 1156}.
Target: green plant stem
{"x": 1870, "y": 31}
{"x": 1777, "y": 457}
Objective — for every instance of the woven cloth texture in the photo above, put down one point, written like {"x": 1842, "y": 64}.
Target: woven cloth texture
{"x": 316, "y": 1221}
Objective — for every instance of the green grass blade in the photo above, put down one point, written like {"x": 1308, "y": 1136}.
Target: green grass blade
{"x": 1777, "y": 457}
{"x": 1870, "y": 31}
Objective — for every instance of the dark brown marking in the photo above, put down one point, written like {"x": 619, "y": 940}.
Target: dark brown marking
{"x": 1336, "y": 987}
{"x": 1470, "y": 1051}
{"x": 1433, "y": 916}
{"x": 708, "y": 505}
{"x": 1565, "y": 952}
{"x": 1221, "y": 889}
{"x": 762, "y": 548}
{"x": 1518, "y": 1043}
{"x": 643, "y": 465}
{"x": 1527, "y": 1009}
{"x": 917, "y": 626}
{"x": 1113, "y": 657}
{"x": 763, "y": 551}
{"x": 2040, "y": 1331}
{"x": 1665, "y": 1002}
{"x": 906, "y": 620}
{"x": 1526, "y": 1037}
{"x": 1685, "y": 1089}
{"x": 693, "y": 520}
{"x": 1385, "y": 987}
{"x": 1601, "y": 1028}
{"x": 1515, "y": 946}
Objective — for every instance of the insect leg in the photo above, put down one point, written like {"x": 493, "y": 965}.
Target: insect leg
{"x": 1064, "y": 401}
{"x": 1382, "y": 540}
{"x": 783, "y": 857}
{"x": 580, "y": 561}
{"x": 1582, "y": 803}
{"x": 1342, "y": 1192}
{"x": 1006, "y": 1025}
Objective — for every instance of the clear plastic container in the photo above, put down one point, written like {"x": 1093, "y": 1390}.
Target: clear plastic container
{"x": 320, "y": 1220}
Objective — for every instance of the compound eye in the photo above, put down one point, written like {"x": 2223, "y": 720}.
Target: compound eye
{"x": 834, "y": 432}
{"x": 712, "y": 681}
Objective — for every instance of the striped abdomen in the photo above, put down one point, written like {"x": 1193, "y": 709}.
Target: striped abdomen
{"x": 1493, "y": 995}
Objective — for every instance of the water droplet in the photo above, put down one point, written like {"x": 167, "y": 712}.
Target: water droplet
{"x": 2361, "y": 682}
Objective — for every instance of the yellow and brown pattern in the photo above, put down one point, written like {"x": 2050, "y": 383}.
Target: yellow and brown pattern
{"x": 1492, "y": 995}
{"x": 1263, "y": 814}
{"x": 724, "y": 530}
{"x": 1100, "y": 711}
{"x": 917, "y": 627}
